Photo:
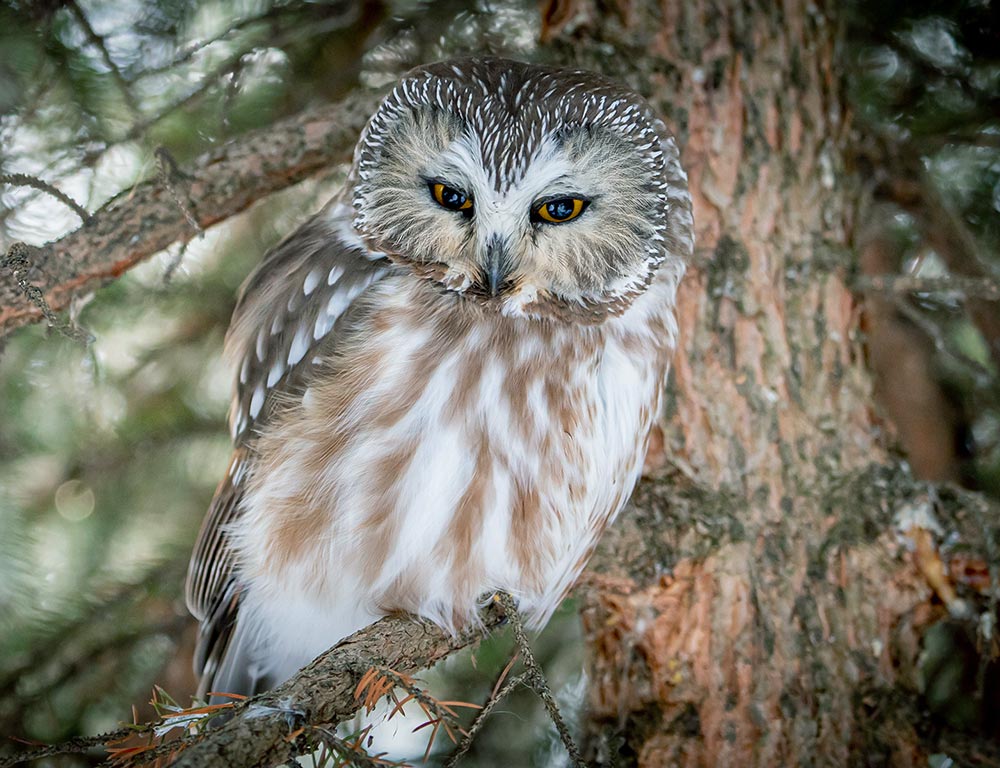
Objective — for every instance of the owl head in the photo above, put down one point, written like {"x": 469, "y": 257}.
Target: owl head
{"x": 535, "y": 191}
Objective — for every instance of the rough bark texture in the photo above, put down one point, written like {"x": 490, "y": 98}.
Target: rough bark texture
{"x": 323, "y": 693}
{"x": 760, "y": 603}
{"x": 776, "y": 602}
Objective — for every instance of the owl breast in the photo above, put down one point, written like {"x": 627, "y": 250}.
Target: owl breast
{"x": 440, "y": 452}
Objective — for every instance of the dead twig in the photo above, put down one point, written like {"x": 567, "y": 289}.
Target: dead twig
{"x": 98, "y": 43}
{"x": 536, "y": 678}
{"x": 966, "y": 287}
{"x": 18, "y": 261}
{"x": 168, "y": 171}
{"x": 24, "y": 180}
{"x": 480, "y": 719}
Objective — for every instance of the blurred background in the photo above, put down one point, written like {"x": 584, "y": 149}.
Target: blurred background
{"x": 110, "y": 450}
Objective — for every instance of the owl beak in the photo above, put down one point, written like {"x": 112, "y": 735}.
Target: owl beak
{"x": 497, "y": 265}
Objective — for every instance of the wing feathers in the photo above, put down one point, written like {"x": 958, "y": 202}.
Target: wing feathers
{"x": 290, "y": 305}
{"x": 212, "y": 560}
{"x": 291, "y": 302}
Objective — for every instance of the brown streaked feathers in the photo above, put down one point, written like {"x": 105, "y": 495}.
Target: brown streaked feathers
{"x": 432, "y": 403}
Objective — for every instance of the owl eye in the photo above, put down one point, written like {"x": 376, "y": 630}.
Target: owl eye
{"x": 450, "y": 198}
{"x": 560, "y": 210}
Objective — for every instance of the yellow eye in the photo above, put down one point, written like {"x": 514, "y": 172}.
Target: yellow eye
{"x": 560, "y": 210}
{"x": 450, "y": 198}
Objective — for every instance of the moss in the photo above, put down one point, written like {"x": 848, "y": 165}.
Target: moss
{"x": 726, "y": 271}
{"x": 864, "y": 504}
{"x": 797, "y": 73}
{"x": 730, "y": 257}
{"x": 695, "y": 522}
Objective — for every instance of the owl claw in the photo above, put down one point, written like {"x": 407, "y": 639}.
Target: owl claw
{"x": 508, "y": 603}
{"x": 503, "y": 601}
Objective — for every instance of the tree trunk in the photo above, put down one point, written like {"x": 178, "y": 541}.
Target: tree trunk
{"x": 763, "y": 601}
{"x": 774, "y": 601}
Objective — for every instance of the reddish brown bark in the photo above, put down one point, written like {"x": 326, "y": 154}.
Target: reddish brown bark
{"x": 778, "y": 600}
{"x": 758, "y": 605}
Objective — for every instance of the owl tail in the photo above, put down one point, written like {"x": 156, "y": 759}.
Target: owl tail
{"x": 224, "y": 659}
{"x": 235, "y": 670}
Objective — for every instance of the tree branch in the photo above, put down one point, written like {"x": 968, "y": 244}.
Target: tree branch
{"x": 24, "y": 180}
{"x": 144, "y": 220}
{"x": 98, "y": 42}
{"x": 967, "y": 287}
{"x": 323, "y": 692}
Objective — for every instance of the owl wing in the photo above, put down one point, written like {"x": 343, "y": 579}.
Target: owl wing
{"x": 289, "y": 306}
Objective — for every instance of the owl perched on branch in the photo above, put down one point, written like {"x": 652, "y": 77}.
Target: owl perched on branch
{"x": 447, "y": 377}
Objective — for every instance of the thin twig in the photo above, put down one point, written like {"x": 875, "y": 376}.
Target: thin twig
{"x": 98, "y": 41}
{"x": 175, "y": 262}
{"x": 199, "y": 45}
{"x": 941, "y": 346}
{"x": 209, "y": 81}
{"x": 503, "y": 673}
{"x": 74, "y": 746}
{"x": 168, "y": 170}
{"x": 480, "y": 719}
{"x": 968, "y": 287}
{"x": 536, "y": 677}
{"x": 24, "y": 180}
{"x": 18, "y": 261}
{"x": 213, "y": 78}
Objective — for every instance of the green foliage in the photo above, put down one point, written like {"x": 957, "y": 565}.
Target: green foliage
{"x": 109, "y": 454}
{"x": 925, "y": 81}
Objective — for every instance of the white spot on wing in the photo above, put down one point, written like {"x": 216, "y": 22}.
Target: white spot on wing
{"x": 300, "y": 344}
{"x": 323, "y": 325}
{"x": 261, "y": 338}
{"x": 256, "y": 402}
{"x": 312, "y": 280}
{"x": 275, "y": 373}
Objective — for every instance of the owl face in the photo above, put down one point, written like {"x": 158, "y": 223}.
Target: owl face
{"x": 527, "y": 189}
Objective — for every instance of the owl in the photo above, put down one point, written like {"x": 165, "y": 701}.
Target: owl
{"x": 446, "y": 379}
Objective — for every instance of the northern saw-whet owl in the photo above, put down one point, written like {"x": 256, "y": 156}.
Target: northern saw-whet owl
{"x": 447, "y": 377}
